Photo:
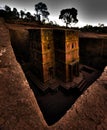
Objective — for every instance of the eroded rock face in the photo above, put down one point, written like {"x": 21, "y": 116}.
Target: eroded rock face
{"x": 19, "y": 109}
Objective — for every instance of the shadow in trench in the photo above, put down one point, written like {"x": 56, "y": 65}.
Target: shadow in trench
{"x": 55, "y": 104}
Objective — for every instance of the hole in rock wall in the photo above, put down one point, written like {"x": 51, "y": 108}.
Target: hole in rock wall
{"x": 53, "y": 103}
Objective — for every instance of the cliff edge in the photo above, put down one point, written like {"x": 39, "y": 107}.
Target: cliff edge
{"x": 18, "y": 108}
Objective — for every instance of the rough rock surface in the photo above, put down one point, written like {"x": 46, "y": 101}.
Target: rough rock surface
{"x": 19, "y": 109}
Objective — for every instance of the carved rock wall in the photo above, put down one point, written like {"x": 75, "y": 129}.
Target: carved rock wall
{"x": 19, "y": 109}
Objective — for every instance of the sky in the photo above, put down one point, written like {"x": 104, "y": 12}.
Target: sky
{"x": 90, "y": 12}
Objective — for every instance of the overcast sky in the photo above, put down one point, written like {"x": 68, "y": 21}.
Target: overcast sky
{"x": 90, "y": 12}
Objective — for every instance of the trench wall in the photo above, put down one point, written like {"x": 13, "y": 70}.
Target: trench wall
{"x": 93, "y": 52}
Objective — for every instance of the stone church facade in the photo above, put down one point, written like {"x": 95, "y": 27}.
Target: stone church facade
{"x": 55, "y": 54}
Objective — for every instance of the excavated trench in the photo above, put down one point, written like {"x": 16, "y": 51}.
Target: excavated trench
{"x": 54, "y": 104}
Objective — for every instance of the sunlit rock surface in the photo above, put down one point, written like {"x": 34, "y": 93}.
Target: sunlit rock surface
{"x": 19, "y": 109}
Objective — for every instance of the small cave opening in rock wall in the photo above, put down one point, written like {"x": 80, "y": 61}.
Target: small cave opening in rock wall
{"x": 53, "y": 103}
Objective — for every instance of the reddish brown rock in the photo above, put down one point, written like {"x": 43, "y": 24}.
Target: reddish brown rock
{"x": 19, "y": 109}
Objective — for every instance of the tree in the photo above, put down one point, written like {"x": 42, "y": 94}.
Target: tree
{"x": 8, "y": 12}
{"x": 2, "y": 13}
{"x": 22, "y": 13}
{"x": 41, "y": 11}
{"x": 100, "y": 24}
{"x": 45, "y": 15}
{"x": 69, "y": 16}
{"x": 7, "y": 8}
{"x": 15, "y": 13}
{"x": 28, "y": 16}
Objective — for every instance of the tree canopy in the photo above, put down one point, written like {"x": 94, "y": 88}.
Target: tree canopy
{"x": 15, "y": 13}
{"x": 69, "y": 16}
{"x": 7, "y": 8}
{"x": 22, "y": 13}
{"x": 41, "y": 10}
